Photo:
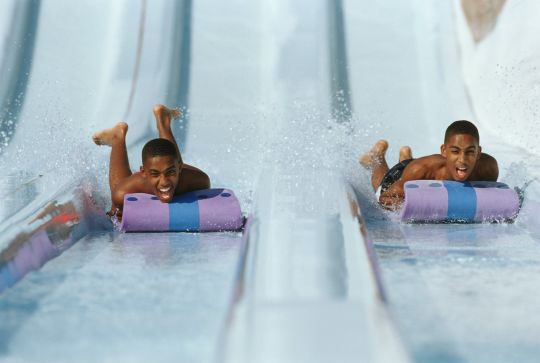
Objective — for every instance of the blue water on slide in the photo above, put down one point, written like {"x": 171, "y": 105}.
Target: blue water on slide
{"x": 129, "y": 297}
{"x": 280, "y": 99}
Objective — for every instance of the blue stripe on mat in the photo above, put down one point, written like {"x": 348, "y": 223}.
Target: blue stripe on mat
{"x": 461, "y": 200}
{"x": 184, "y": 216}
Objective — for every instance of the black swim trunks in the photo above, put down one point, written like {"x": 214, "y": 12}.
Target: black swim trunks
{"x": 394, "y": 174}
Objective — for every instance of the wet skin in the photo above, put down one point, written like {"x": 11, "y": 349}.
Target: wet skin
{"x": 461, "y": 153}
{"x": 461, "y": 159}
{"x": 162, "y": 176}
{"x": 162, "y": 173}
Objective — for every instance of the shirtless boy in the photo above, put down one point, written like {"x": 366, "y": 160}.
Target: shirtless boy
{"x": 162, "y": 173}
{"x": 461, "y": 159}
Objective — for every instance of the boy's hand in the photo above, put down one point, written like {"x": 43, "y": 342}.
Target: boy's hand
{"x": 115, "y": 212}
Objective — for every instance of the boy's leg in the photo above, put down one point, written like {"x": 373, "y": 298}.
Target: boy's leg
{"x": 375, "y": 161}
{"x": 164, "y": 116}
{"x": 119, "y": 163}
{"x": 405, "y": 153}
{"x": 192, "y": 178}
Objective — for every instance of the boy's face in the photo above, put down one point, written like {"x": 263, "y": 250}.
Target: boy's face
{"x": 461, "y": 152}
{"x": 163, "y": 173}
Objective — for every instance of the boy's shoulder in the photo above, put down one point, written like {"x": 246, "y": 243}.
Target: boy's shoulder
{"x": 487, "y": 168}
{"x": 434, "y": 161}
{"x": 426, "y": 167}
{"x": 192, "y": 178}
{"x": 487, "y": 158}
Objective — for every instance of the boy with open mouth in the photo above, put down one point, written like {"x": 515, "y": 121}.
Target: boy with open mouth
{"x": 461, "y": 159}
{"x": 163, "y": 173}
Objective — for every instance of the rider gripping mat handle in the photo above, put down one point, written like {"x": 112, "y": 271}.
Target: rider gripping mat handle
{"x": 452, "y": 201}
{"x": 204, "y": 210}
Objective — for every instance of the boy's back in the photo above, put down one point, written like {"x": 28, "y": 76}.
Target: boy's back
{"x": 434, "y": 167}
{"x": 461, "y": 159}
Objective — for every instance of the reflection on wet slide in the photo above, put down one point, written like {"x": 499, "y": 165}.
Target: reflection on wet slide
{"x": 457, "y": 292}
{"x": 457, "y": 289}
{"x": 142, "y": 297}
{"x": 69, "y": 291}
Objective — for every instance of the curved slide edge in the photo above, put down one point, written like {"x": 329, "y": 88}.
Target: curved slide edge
{"x": 16, "y": 64}
{"x": 130, "y": 56}
{"x": 45, "y": 228}
{"x": 263, "y": 327}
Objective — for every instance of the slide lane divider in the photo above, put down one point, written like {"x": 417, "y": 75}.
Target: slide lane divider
{"x": 237, "y": 292}
{"x": 180, "y": 68}
{"x": 138, "y": 56}
{"x": 368, "y": 253}
{"x": 365, "y": 282}
{"x": 340, "y": 93}
{"x": 364, "y": 304}
{"x": 17, "y": 65}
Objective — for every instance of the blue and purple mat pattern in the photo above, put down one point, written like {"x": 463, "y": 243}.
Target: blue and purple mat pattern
{"x": 452, "y": 201}
{"x": 204, "y": 210}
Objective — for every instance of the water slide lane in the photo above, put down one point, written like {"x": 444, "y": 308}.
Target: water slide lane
{"x": 142, "y": 297}
{"x": 130, "y": 297}
{"x": 455, "y": 291}
{"x": 66, "y": 100}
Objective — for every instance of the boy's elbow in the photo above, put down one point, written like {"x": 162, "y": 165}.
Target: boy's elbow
{"x": 117, "y": 197}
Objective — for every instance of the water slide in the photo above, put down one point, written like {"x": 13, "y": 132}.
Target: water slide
{"x": 280, "y": 98}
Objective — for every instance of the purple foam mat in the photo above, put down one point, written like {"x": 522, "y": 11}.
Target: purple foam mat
{"x": 206, "y": 210}
{"x": 451, "y": 201}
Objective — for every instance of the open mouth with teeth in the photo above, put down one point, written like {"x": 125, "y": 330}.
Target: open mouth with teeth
{"x": 461, "y": 172}
{"x": 165, "y": 194}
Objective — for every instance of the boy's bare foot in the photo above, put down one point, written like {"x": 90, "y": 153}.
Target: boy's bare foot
{"x": 165, "y": 115}
{"x": 108, "y": 136}
{"x": 405, "y": 153}
{"x": 375, "y": 155}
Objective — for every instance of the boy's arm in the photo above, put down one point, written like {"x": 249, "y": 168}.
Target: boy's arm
{"x": 393, "y": 197}
{"x": 136, "y": 183}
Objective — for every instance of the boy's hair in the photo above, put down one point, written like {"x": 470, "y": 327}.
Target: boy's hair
{"x": 461, "y": 127}
{"x": 160, "y": 147}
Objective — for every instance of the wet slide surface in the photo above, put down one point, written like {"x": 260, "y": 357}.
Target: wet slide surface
{"x": 457, "y": 292}
{"x": 145, "y": 297}
{"x": 462, "y": 293}
{"x": 158, "y": 297}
